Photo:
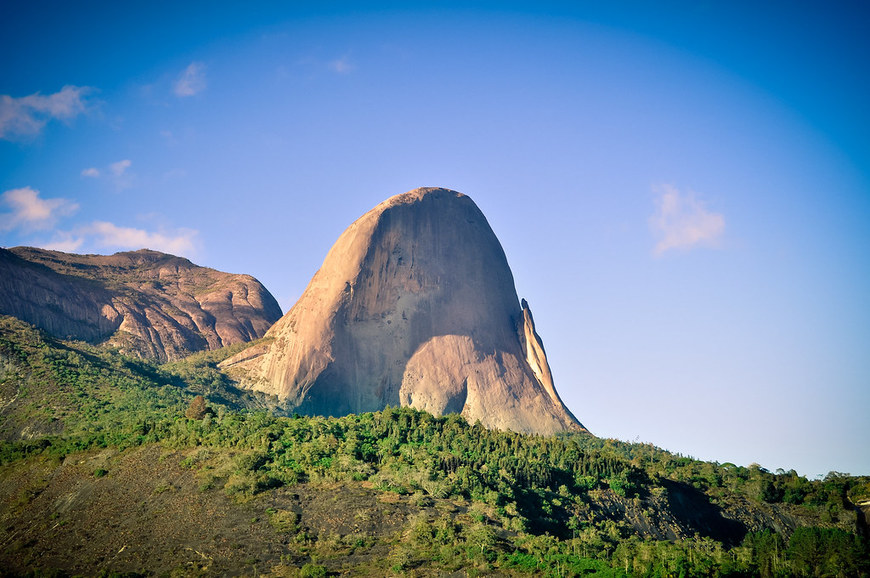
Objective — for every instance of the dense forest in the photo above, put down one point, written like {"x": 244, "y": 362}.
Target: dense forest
{"x": 570, "y": 505}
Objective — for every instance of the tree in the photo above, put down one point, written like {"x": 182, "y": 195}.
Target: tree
{"x": 197, "y": 408}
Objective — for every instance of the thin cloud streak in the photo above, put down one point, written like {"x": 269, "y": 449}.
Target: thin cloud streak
{"x": 120, "y": 167}
{"x": 28, "y": 115}
{"x": 341, "y": 65}
{"x": 65, "y": 242}
{"x": 115, "y": 172}
{"x": 682, "y": 222}
{"x": 191, "y": 82}
{"x": 28, "y": 212}
{"x": 111, "y": 237}
{"x": 106, "y": 234}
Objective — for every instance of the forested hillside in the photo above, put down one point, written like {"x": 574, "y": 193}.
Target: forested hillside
{"x": 393, "y": 492}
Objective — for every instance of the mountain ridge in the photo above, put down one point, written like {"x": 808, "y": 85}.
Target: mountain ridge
{"x": 146, "y": 303}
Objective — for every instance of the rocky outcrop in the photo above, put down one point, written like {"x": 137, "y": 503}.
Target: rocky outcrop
{"x": 414, "y": 305}
{"x": 146, "y": 303}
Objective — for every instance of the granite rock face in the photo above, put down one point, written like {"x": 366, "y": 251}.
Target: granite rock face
{"x": 414, "y": 305}
{"x": 148, "y": 304}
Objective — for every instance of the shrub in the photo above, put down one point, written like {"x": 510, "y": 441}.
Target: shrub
{"x": 284, "y": 521}
{"x": 312, "y": 571}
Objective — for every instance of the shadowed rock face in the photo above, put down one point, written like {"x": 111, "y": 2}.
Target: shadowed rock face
{"x": 414, "y": 305}
{"x": 146, "y": 303}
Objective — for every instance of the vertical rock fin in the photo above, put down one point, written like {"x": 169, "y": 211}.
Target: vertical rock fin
{"x": 536, "y": 357}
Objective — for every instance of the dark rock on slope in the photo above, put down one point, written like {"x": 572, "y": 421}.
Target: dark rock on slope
{"x": 414, "y": 305}
{"x": 146, "y": 303}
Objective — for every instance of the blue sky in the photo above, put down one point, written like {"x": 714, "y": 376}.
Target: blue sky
{"x": 682, "y": 188}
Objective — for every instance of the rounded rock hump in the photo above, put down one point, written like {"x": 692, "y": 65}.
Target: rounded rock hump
{"x": 415, "y": 306}
{"x": 145, "y": 303}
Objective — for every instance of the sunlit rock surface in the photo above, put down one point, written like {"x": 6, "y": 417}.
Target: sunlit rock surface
{"x": 414, "y": 305}
{"x": 146, "y": 303}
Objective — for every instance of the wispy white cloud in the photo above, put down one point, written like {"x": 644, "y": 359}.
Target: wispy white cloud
{"x": 120, "y": 167}
{"x": 109, "y": 235}
{"x": 63, "y": 241}
{"x": 681, "y": 221}
{"x": 191, "y": 81}
{"x": 27, "y": 115}
{"x": 105, "y": 236}
{"x": 115, "y": 172}
{"x": 341, "y": 65}
{"x": 29, "y": 212}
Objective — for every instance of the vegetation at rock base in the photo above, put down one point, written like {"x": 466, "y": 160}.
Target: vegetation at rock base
{"x": 392, "y": 492}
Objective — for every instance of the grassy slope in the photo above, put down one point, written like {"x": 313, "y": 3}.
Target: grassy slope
{"x": 109, "y": 460}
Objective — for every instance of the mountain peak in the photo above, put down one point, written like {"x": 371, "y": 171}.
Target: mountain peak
{"x": 414, "y": 305}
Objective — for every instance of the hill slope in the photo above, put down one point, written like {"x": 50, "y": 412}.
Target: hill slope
{"x": 397, "y": 491}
